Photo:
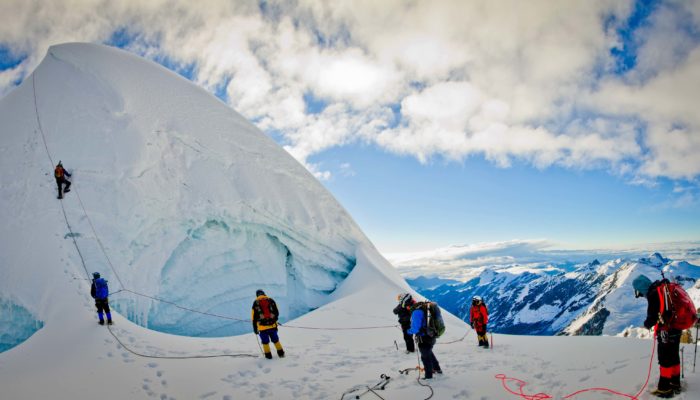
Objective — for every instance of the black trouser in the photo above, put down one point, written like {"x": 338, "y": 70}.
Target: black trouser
{"x": 430, "y": 363}
{"x": 669, "y": 358}
{"x": 103, "y": 305}
{"x": 408, "y": 338}
{"x": 59, "y": 183}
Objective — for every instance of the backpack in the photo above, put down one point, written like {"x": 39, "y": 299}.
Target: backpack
{"x": 264, "y": 310}
{"x": 101, "y": 289}
{"x": 435, "y": 325}
{"x": 58, "y": 172}
{"x": 676, "y": 306}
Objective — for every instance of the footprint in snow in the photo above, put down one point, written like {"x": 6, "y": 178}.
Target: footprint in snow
{"x": 585, "y": 378}
{"x": 206, "y": 395}
{"x": 152, "y": 365}
{"x": 159, "y": 374}
{"x": 164, "y": 383}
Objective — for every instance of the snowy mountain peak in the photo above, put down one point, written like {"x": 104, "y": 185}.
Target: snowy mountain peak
{"x": 655, "y": 259}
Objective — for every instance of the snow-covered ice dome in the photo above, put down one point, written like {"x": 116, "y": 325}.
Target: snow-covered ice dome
{"x": 175, "y": 195}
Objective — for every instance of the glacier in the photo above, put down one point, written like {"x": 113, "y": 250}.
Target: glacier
{"x": 175, "y": 197}
{"x": 17, "y": 324}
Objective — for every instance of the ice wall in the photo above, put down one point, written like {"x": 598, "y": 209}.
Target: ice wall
{"x": 17, "y": 324}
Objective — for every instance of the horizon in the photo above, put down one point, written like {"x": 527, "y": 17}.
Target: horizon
{"x": 440, "y": 123}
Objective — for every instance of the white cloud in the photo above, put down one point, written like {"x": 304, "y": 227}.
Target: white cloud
{"x": 505, "y": 79}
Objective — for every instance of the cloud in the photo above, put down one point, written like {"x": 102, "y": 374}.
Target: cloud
{"x": 508, "y": 80}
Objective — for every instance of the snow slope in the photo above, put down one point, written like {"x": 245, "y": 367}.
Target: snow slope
{"x": 179, "y": 197}
{"x": 176, "y": 196}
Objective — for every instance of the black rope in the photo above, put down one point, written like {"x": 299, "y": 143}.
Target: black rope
{"x": 48, "y": 153}
{"x": 185, "y": 308}
{"x": 175, "y": 357}
{"x": 97, "y": 237}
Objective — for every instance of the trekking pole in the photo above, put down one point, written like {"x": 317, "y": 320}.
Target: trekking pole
{"x": 695, "y": 357}
{"x": 257, "y": 340}
{"x": 682, "y": 363}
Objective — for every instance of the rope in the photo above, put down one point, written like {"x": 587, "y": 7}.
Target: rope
{"x": 544, "y": 396}
{"x": 418, "y": 369}
{"x": 99, "y": 242}
{"x": 455, "y": 341}
{"x": 379, "y": 386}
{"x": 338, "y": 329}
{"x": 185, "y": 308}
{"x": 48, "y": 153}
{"x": 175, "y": 357}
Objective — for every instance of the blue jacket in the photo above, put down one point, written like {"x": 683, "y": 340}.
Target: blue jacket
{"x": 417, "y": 323}
{"x": 99, "y": 289}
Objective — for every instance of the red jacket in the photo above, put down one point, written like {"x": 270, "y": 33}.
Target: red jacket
{"x": 479, "y": 314}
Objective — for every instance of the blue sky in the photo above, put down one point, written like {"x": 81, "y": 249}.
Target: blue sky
{"x": 440, "y": 122}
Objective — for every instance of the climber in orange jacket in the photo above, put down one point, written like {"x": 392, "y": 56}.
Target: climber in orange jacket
{"x": 478, "y": 318}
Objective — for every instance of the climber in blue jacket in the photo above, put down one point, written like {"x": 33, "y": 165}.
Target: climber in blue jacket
{"x": 100, "y": 291}
{"x": 419, "y": 326}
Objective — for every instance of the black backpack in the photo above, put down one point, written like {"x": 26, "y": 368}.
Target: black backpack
{"x": 434, "y": 324}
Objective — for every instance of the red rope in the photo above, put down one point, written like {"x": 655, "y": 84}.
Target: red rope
{"x": 543, "y": 396}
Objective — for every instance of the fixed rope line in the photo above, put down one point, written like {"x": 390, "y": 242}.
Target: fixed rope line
{"x": 175, "y": 357}
{"x": 455, "y": 341}
{"x": 99, "y": 242}
{"x": 185, "y": 308}
{"x": 38, "y": 120}
{"x": 337, "y": 329}
{"x": 48, "y": 153}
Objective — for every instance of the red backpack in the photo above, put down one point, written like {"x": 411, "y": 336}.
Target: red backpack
{"x": 265, "y": 312}
{"x": 676, "y": 303}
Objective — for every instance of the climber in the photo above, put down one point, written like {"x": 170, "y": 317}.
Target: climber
{"x": 60, "y": 174}
{"x": 403, "y": 311}
{"x": 100, "y": 291}
{"x": 264, "y": 316}
{"x": 419, "y": 328}
{"x": 669, "y": 339}
{"x": 478, "y": 318}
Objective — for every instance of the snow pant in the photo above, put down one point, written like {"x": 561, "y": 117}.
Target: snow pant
{"x": 669, "y": 359}
{"x": 103, "y": 306}
{"x": 430, "y": 363}
{"x": 481, "y": 334}
{"x": 268, "y": 335}
{"x": 60, "y": 182}
{"x": 408, "y": 338}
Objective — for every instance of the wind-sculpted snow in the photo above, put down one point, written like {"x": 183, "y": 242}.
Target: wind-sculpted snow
{"x": 175, "y": 197}
{"x": 17, "y": 324}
